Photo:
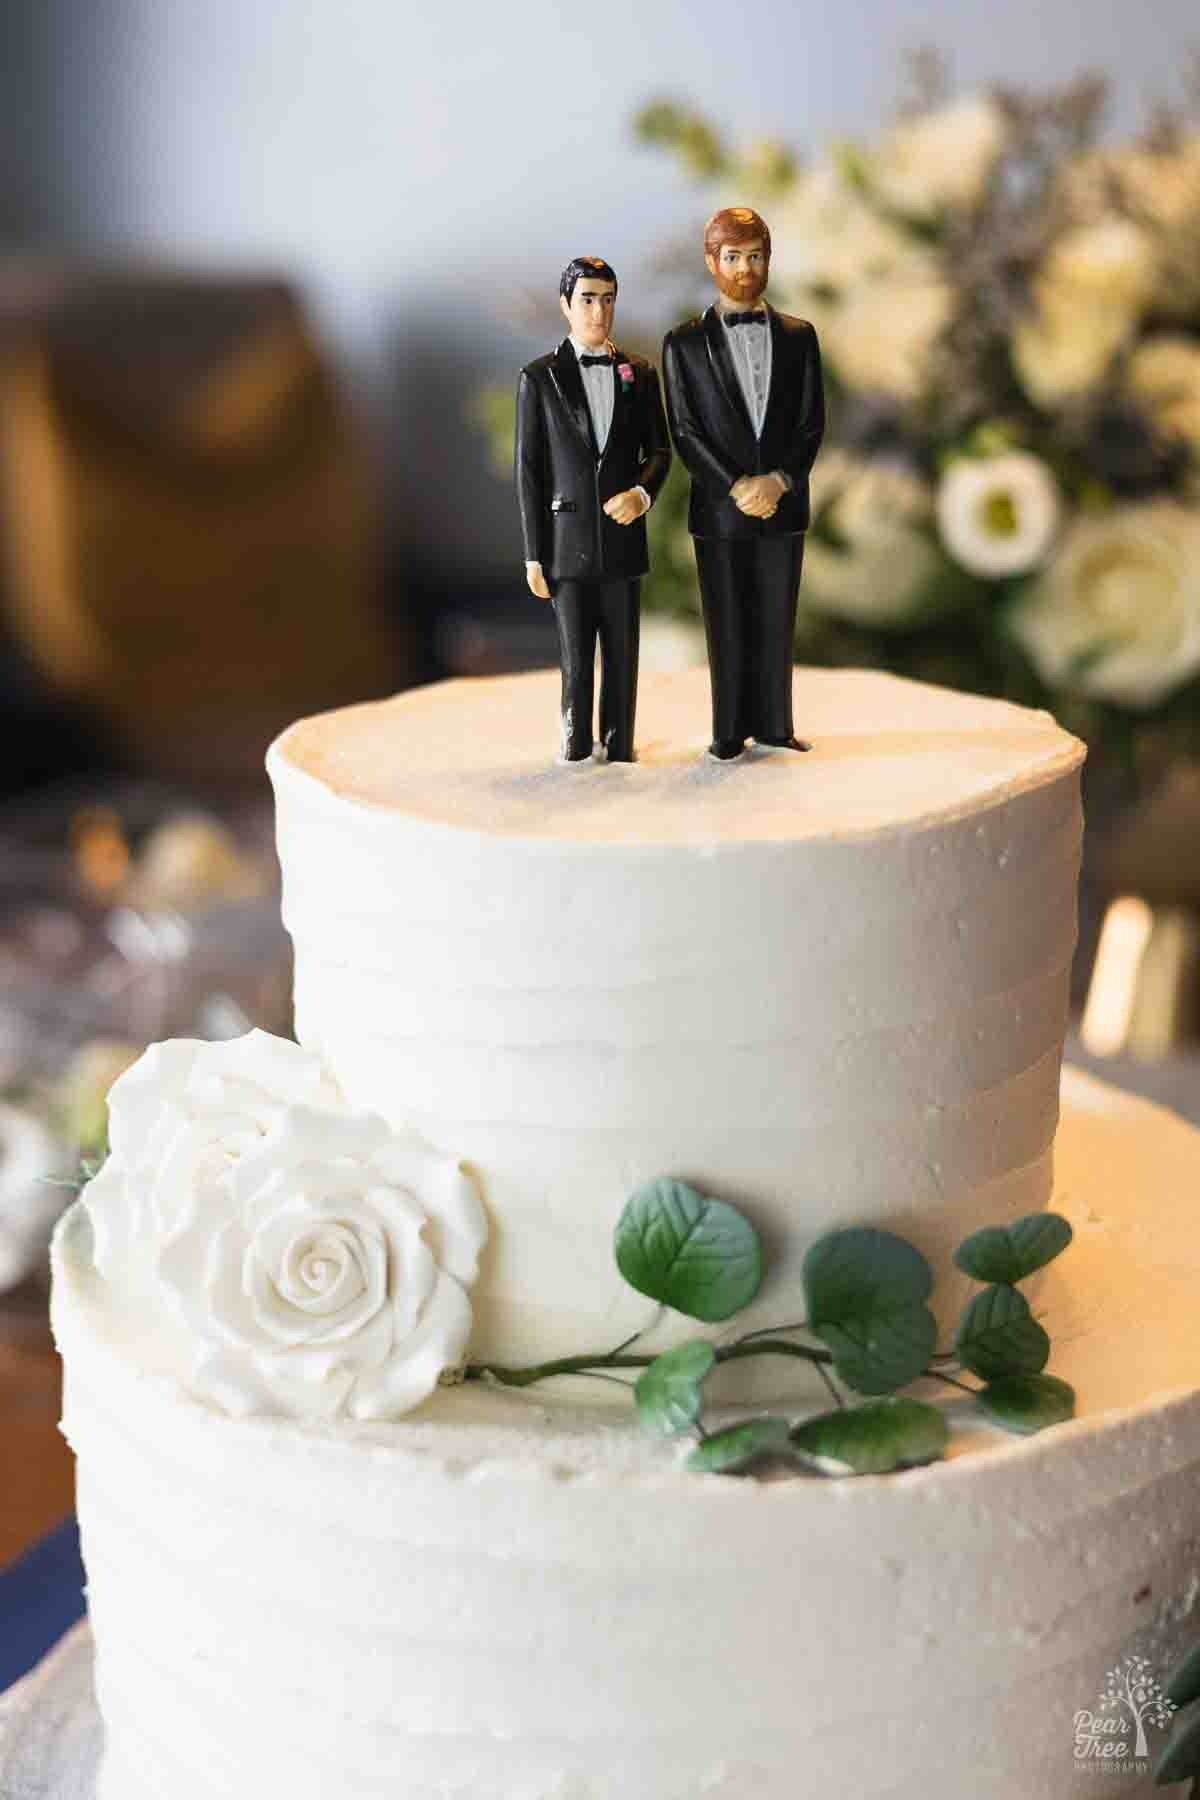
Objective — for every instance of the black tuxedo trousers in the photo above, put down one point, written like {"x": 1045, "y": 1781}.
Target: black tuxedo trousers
{"x": 609, "y": 611}
{"x": 749, "y": 589}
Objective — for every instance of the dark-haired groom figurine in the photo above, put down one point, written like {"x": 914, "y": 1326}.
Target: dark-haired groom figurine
{"x": 744, "y": 398}
{"x": 592, "y": 452}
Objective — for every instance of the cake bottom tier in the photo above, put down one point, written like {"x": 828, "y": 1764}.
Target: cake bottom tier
{"x": 508, "y": 1599}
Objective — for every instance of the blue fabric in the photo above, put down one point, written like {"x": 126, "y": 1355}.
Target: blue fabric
{"x": 41, "y": 1596}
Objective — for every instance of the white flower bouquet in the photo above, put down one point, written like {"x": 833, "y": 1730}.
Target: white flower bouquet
{"x": 1009, "y": 313}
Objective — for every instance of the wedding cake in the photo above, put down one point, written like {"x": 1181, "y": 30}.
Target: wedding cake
{"x": 828, "y": 989}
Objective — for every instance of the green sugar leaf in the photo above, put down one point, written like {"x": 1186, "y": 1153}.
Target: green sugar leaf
{"x": 1183, "y": 1683}
{"x": 1181, "y": 1753}
{"x": 669, "y": 1393}
{"x": 872, "y": 1439}
{"x": 1007, "y": 1253}
{"x": 1027, "y": 1403}
{"x": 698, "y": 1255}
{"x": 844, "y": 1267}
{"x": 866, "y": 1293}
{"x": 737, "y": 1448}
{"x": 876, "y": 1353}
{"x": 998, "y": 1335}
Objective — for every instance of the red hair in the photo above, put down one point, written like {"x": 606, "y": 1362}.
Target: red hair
{"x": 735, "y": 225}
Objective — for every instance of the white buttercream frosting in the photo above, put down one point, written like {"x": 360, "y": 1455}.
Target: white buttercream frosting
{"x": 830, "y": 987}
{"x": 286, "y": 1254}
{"x": 499, "y": 1599}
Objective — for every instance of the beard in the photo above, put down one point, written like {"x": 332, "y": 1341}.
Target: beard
{"x": 745, "y": 289}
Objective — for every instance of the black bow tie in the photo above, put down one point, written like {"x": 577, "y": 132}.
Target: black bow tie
{"x": 592, "y": 362}
{"x": 746, "y": 318}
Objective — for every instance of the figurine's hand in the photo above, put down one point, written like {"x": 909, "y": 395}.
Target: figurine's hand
{"x": 758, "y": 496}
{"x": 536, "y": 580}
{"x": 624, "y": 508}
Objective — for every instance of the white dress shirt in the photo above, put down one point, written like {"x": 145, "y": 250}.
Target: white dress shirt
{"x": 599, "y": 387}
{"x": 750, "y": 347}
{"x": 599, "y": 390}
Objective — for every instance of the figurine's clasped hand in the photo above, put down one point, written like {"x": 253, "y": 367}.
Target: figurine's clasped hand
{"x": 758, "y": 496}
{"x": 624, "y": 508}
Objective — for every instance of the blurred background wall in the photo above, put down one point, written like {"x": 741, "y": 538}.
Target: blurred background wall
{"x": 420, "y": 168}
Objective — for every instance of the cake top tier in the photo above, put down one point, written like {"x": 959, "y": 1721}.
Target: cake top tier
{"x": 479, "y": 755}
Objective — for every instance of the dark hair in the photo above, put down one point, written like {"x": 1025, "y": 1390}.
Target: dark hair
{"x": 593, "y": 267}
{"x": 735, "y": 225}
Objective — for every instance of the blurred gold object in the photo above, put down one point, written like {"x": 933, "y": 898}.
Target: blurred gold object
{"x": 1144, "y": 996}
{"x": 192, "y": 860}
{"x": 100, "y": 849}
{"x": 187, "y": 544}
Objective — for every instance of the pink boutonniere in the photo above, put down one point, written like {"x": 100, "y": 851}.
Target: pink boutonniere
{"x": 625, "y": 371}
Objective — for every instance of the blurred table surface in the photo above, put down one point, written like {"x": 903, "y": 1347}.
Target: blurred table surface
{"x": 36, "y": 1476}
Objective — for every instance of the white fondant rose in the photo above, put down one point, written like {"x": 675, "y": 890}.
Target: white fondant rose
{"x": 998, "y": 514}
{"x": 1116, "y": 612}
{"x": 316, "y": 1262}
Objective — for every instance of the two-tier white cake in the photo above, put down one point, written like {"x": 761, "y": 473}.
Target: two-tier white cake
{"x": 831, "y": 988}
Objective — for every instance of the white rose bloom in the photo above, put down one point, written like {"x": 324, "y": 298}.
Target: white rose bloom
{"x": 1067, "y": 346}
{"x": 1090, "y": 294}
{"x": 1114, "y": 261}
{"x": 877, "y": 573}
{"x": 1115, "y": 614}
{"x": 1160, "y": 187}
{"x": 941, "y": 159}
{"x": 309, "y": 1260}
{"x": 998, "y": 514}
{"x": 825, "y": 235}
{"x": 1164, "y": 377}
{"x": 880, "y": 340}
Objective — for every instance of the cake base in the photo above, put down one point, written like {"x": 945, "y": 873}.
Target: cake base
{"x": 501, "y": 1598}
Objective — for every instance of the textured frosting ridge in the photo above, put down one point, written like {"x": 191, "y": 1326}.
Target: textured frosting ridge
{"x": 832, "y": 987}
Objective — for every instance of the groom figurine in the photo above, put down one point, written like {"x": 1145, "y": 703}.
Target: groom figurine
{"x": 745, "y": 402}
{"x": 592, "y": 453}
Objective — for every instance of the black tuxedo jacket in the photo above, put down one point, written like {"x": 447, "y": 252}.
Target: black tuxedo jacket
{"x": 562, "y": 481}
{"x": 713, "y": 432}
